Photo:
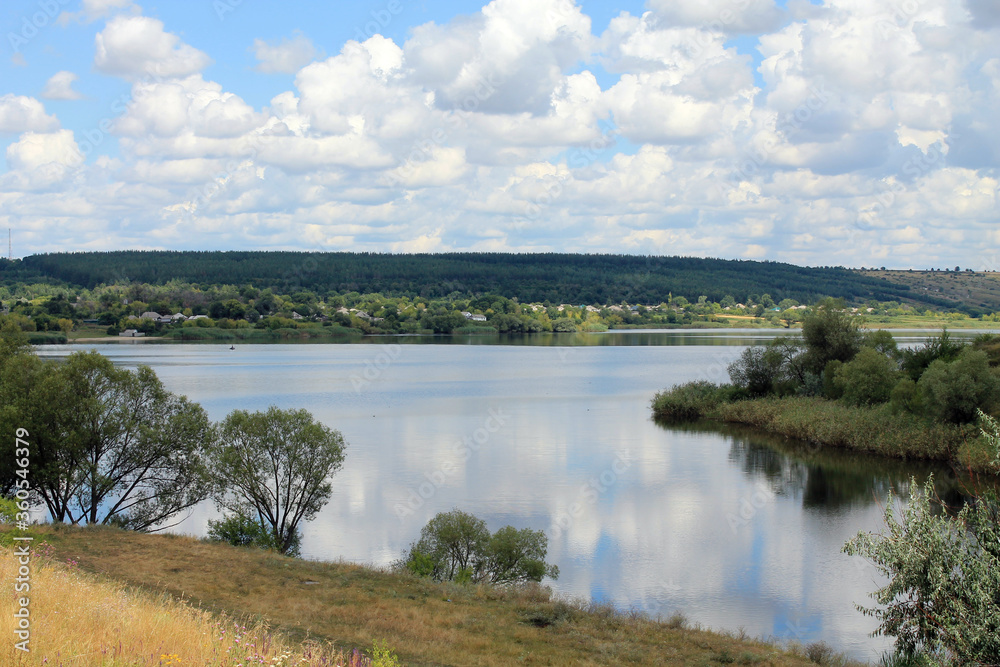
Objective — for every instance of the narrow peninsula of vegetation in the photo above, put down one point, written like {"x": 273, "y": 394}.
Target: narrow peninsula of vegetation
{"x": 842, "y": 386}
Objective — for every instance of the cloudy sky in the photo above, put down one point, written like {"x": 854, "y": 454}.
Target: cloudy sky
{"x": 818, "y": 132}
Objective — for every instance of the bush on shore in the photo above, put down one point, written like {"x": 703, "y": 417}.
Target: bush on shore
{"x": 693, "y": 400}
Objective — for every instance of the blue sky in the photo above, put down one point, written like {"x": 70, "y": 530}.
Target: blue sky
{"x": 817, "y": 132}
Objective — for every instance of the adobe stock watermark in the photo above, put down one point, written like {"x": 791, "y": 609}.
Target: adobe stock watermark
{"x": 22, "y": 549}
{"x": 665, "y": 588}
{"x": 590, "y": 492}
{"x": 899, "y": 15}
{"x": 48, "y": 12}
{"x": 749, "y": 506}
{"x": 469, "y": 445}
{"x": 375, "y": 367}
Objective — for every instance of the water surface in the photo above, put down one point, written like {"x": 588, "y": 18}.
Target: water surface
{"x": 734, "y": 529}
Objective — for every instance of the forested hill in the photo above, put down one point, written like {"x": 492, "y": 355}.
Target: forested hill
{"x": 558, "y": 278}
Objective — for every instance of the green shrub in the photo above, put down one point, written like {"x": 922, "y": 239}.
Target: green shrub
{"x": 383, "y": 656}
{"x": 692, "y": 400}
{"x": 943, "y": 592}
{"x": 867, "y": 379}
{"x": 954, "y": 391}
{"x": 831, "y": 388}
{"x": 241, "y": 530}
{"x": 8, "y": 510}
{"x": 916, "y": 360}
{"x": 906, "y": 397}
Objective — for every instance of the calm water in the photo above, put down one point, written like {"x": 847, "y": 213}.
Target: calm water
{"x": 554, "y": 433}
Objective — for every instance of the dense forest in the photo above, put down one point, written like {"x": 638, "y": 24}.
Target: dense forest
{"x": 552, "y": 277}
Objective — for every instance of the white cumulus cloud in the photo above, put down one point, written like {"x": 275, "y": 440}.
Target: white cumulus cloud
{"x": 23, "y": 114}
{"x": 286, "y": 57}
{"x": 60, "y": 87}
{"x": 137, "y": 47}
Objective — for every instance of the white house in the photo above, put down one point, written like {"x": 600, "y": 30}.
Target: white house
{"x": 149, "y": 315}
{"x": 131, "y": 333}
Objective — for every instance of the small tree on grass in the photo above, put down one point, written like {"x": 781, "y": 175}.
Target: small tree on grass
{"x": 457, "y": 546}
{"x": 273, "y": 468}
{"x": 943, "y": 595}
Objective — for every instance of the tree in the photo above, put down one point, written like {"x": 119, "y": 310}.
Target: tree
{"x": 954, "y": 391}
{"x": 452, "y": 543}
{"x": 516, "y": 556}
{"x": 758, "y": 370}
{"x": 916, "y": 360}
{"x": 868, "y": 379}
{"x": 457, "y": 546}
{"x": 275, "y": 467}
{"x": 110, "y": 445}
{"x": 943, "y": 593}
{"x": 882, "y": 341}
{"x": 830, "y": 334}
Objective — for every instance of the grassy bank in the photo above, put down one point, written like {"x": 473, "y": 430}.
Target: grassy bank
{"x": 135, "y": 580}
{"x": 874, "y": 430}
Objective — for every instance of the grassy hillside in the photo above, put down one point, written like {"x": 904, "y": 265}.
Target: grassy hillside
{"x": 426, "y": 623}
{"x": 962, "y": 290}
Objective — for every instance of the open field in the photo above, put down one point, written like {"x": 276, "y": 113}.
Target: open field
{"x": 425, "y": 622}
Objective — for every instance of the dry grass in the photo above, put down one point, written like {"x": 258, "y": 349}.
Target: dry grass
{"x": 79, "y": 619}
{"x": 349, "y": 605}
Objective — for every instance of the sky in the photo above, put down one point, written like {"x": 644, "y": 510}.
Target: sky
{"x": 816, "y": 132}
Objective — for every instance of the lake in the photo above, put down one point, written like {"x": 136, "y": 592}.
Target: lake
{"x": 732, "y": 528}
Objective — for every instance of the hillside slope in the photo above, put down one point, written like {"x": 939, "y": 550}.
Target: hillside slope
{"x": 558, "y": 278}
{"x": 426, "y": 623}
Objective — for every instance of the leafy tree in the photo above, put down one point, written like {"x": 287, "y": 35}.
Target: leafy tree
{"x": 867, "y": 379}
{"x": 758, "y": 370}
{"x": 275, "y": 467}
{"x": 916, "y": 360}
{"x": 881, "y": 341}
{"x": 453, "y": 542}
{"x": 457, "y": 546}
{"x": 955, "y": 391}
{"x": 943, "y": 593}
{"x": 110, "y": 445}
{"x": 516, "y": 556}
{"x": 830, "y": 333}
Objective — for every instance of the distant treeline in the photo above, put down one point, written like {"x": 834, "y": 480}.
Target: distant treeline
{"x": 553, "y": 277}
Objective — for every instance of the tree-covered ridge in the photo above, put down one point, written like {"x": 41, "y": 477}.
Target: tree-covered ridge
{"x": 552, "y": 277}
